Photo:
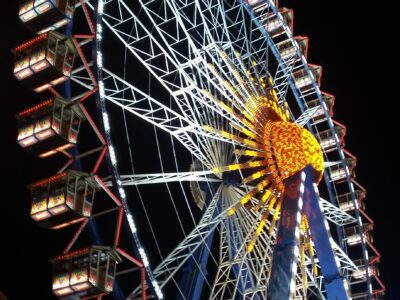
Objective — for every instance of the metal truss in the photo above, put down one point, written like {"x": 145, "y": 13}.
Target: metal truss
{"x": 199, "y": 176}
{"x": 347, "y": 266}
{"x": 282, "y": 76}
{"x": 80, "y": 76}
{"x": 235, "y": 233}
{"x": 211, "y": 55}
{"x": 335, "y": 214}
{"x": 173, "y": 70}
{"x": 307, "y": 115}
{"x": 201, "y": 143}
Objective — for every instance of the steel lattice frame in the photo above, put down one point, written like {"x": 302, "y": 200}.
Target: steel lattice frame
{"x": 191, "y": 48}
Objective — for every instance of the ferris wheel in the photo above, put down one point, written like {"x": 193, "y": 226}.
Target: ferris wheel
{"x": 226, "y": 167}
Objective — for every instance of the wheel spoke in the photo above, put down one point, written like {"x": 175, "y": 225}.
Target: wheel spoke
{"x": 199, "y": 176}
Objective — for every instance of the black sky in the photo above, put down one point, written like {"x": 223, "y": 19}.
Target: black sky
{"x": 345, "y": 40}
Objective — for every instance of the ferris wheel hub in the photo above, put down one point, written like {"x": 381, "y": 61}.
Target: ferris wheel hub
{"x": 293, "y": 148}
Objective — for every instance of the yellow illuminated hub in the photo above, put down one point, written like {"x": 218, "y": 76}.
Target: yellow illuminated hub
{"x": 269, "y": 147}
{"x": 294, "y": 148}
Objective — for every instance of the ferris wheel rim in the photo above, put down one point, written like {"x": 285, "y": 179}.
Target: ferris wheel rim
{"x": 117, "y": 175}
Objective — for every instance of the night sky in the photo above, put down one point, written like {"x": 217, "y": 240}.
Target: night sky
{"x": 344, "y": 40}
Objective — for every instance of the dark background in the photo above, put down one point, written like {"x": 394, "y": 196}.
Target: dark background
{"x": 346, "y": 40}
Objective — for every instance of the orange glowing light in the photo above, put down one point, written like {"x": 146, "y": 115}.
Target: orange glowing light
{"x": 31, "y": 42}
{"x": 76, "y": 253}
{"x": 36, "y": 107}
{"x": 294, "y": 148}
{"x": 48, "y": 180}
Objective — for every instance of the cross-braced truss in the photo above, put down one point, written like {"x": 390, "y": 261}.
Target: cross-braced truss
{"x": 207, "y": 60}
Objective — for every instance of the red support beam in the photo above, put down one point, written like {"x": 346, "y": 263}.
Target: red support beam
{"x": 76, "y": 235}
{"x": 99, "y": 160}
{"x": 143, "y": 277}
{"x": 382, "y": 289}
{"x": 54, "y": 92}
{"x": 333, "y": 102}
{"x": 93, "y": 124}
{"x": 88, "y": 94}
{"x": 129, "y": 257}
{"x": 70, "y": 160}
{"x": 302, "y": 37}
{"x": 366, "y": 216}
{"x": 344, "y": 130}
{"x": 85, "y": 62}
{"x": 84, "y": 36}
{"x": 364, "y": 191}
{"x": 378, "y": 255}
{"x": 108, "y": 191}
{"x": 349, "y": 154}
{"x": 88, "y": 18}
{"x": 118, "y": 227}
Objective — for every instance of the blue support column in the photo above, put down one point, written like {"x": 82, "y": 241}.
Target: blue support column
{"x": 244, "y": 277}
{"x": 301, "y": 192}
{"x": 194, "y": 272}
{"x": 334, "y": 283}
{"x": 242, "y": 274}
{"x": 195, "y": 269}
{"x": 284, "y": 256}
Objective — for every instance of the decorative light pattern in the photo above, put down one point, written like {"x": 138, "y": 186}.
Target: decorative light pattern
{"x": 36, "y": 107}
{"x": 272, "y": 149}
{"x": 294, "y": 148}
{"x": 31, "y": 42}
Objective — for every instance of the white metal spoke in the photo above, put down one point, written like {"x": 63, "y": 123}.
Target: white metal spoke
{"x": 346, "y": 264}
{"x": 307, "y": 115}
{"x": 190, "y": 15}
{"x": 199, "y": 176}
{"x": 270, "y": 18}
{"x": 335, "y": 214}
{"x": 80, "y": 76}
{"x": 127, "y": 96}
{"x": 328, "y": 164}
{"x": 252, "y": 44}
{"x": 195, "y": 138}
{"x": 282, "y": 76}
